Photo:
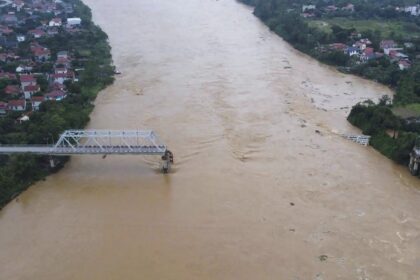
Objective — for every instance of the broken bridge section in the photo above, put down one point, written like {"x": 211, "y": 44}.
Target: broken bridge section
{"x": 104, "y": 142}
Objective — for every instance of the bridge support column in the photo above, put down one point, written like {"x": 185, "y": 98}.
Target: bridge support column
{"x": 52, "y": 162}
{"x": 168, "y": 160}
{"x": 413, "y": 166}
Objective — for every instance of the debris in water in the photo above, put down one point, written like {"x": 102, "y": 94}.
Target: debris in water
{"x": 323, "y": 258}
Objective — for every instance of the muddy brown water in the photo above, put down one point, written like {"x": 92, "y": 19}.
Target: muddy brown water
{"x": 255, "y": 193}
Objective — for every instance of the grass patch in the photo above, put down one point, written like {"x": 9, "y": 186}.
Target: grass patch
{"x": 387, "y": 28}
{"x": 407, "y": 111}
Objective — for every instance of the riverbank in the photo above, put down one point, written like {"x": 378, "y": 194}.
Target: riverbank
{"x": 392, "y": 135}
{"x": 69, "y": 86}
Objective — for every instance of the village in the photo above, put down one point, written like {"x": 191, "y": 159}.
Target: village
{"x": 30, "y": 73}
{"x": 361, "y": 50}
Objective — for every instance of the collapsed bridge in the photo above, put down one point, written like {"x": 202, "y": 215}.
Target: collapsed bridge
{"x": 103, "y": 142}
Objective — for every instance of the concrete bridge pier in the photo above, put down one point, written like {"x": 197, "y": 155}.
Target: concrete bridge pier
{"x": 414, "y": 163}
{"x": 168, "y": 160}
{"x": 52, "y": 162}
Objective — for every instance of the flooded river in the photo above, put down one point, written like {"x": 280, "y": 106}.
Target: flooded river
{"x": 263, "y": 187}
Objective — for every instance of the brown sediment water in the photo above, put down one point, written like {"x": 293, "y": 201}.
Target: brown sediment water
{"x": 256, "y": 192}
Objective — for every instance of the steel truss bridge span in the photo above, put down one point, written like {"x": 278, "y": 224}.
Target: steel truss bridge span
{"x": 103, "y": 142}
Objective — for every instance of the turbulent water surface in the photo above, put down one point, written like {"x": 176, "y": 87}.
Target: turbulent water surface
{"x": 263, "y": 187}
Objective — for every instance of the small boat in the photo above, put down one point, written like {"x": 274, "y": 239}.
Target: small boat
{"x": 116, "y": 72}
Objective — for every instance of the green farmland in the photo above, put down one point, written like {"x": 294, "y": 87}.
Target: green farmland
{"x": 406, "y": 30}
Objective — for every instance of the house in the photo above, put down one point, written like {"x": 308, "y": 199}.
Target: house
{"x": 404, "y": 64}
{"x": 7, "y": 75}
{"x": 387, "y": 51}
{"x": 387, "y": 44}
{"x": 74, "y": 22}
{"x": 23, "y": 118}
{"x": 350, "y": 51}
{"x": 20, "y": 38}
{"x": 62, "y": 55}
{"x": 18, "y": 5}
{"x": 60, "y": 78}
{"x": 368, "y": 54}
{"x": 17, "y": 105}
{"x": 60, "y": 70}
{"x": 55, "y": 22}
{"x": 3, "y": 108}
{"x": 27, "y": 80}
{"x": 23, "y": 68}
{"x": 30, "y": 90}
{"x": 331, "y": 8}
{"x": 52, "y": 31}
{"x": 338, "y": 47}
{"x": 36, "y": 102}
{"x": 412, "y": 10}
{"x": 41, "y": 54}
{"x": 66, "y": 62}
{"x": 9, "y": 19}
{"x": 308, "y": 8}
{"x": 362, "y": 44}
{"x": 58, "y": 86}
{"x": 56, "y": 95}
{"x": 349, "y": 8}
{"x": 68, "y": 8}
{"x": 37, "y": 33}
{"x": 8, "y": 43}
{"x": 5, "y": 30}
{"x": 408, "y": 45}
{"x": 12, "y": 90}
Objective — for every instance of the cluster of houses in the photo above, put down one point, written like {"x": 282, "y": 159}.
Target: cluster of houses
{"x": 363, "y": 51}
{"x": 23, "y": 91}
{"x": 412, "y": 10}
{"x": 311, "y": 10}
{"x": 308, "y": 11}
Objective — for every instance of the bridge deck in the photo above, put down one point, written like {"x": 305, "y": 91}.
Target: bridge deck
{"x": 52, "y": 150}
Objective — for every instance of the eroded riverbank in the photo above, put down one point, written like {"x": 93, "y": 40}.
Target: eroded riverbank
{"x": 233, "y": 101}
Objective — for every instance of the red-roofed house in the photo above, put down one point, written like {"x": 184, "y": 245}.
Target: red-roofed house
{"x": 7, "y": 75}
{"x": 56, "y": 22}
{"x": 338, "y": 46}
{"x": 3, "y": 108}
{"x": 27, "y": 80}
{"x": 36, "y": 102}
{"x": 57, "y": 86}
{"x": 30, "y": 90}
{"x": 17, "y": 105}
{"x": 41, "y": 54}
{"x": 56, "y": 95}
{"x": 404, "y": 64}
{"x": 387, "y": 44}
{"x": 37, "y": 33}
{"x": 60, "y": 78}
{"x": 368, "y": 54}
{"x": 60, "y": 70}
{"x": 12, "y": 90}
{"x": 5, "y": 30}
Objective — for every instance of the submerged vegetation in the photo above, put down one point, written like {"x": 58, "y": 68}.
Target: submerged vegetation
{"x": 90, "y": 51}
